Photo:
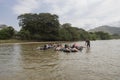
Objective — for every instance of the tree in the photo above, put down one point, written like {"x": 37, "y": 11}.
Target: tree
{"x": 93, "y": 36}
{"x": 115, "y": 36}
{"x": 23, "y": 35}
{"x": 69, "y": 33}
{"x": 45, "y": 25}
{"x": 7, "y": 33}
{"x": 102, "y": 35}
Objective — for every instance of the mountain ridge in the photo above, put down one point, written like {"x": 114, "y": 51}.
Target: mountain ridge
{"x": 105, "y": 28}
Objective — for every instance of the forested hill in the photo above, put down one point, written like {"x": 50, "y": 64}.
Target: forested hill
{"x": 46, "y": 27}
{"x": 108, "y": 29}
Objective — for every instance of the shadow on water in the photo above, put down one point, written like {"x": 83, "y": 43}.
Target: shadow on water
{"x": 88, "y": 50}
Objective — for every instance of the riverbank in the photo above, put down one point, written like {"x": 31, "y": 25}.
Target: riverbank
{"x": 14, "y": 41}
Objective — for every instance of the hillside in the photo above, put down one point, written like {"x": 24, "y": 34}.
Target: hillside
{"x": 2, "y": 26}
{"x": 108, "y": 29}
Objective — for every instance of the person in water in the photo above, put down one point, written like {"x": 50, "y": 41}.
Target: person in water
{"x": 87, "y": 42}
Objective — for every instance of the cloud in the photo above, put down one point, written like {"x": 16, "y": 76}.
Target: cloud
{"x": 92, "y": 14}
{"x": 25, "y": 6}
{"x": 77, "y": 12}
{"x": 106, "y": 12}
{"x": 1, "y": 22}
{"x": 80, "y": 13}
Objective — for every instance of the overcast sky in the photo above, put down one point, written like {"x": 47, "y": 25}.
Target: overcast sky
{"x": 80, "y": 13}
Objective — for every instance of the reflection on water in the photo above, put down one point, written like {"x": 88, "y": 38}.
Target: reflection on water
{"x": 9, "y": 60}
{"x": 87, "y": 50}
{"x": 24, "y": 62}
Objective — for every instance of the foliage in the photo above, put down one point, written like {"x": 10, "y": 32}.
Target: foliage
{"x": 23, "y": 35}
{"x": 69, "y": 33}
{"x": 83, "y": 34}
{"x": 7, "y": 33}
{"x": 43, "y": 25}
{"x": 46, "y": 27}
{"x": 115, "y": 36}
{"x": 102, "y": 35}
{"x": 93, "y": 36}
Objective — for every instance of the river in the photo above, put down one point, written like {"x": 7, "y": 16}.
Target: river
{"x": 24, "y": 62}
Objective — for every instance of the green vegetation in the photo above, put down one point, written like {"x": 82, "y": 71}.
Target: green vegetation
{"x": 13, "y": 41}
{"x": 43, "y": 26}
{"x": 46, "y": 27}
{"x": 69, "y": 33}
{"x": 115, "y": 36}
{"x": 7, "y": 33}
{"x": 102, "y": 35}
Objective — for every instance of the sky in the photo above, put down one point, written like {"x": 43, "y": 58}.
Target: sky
{"x": 86, "y": 14}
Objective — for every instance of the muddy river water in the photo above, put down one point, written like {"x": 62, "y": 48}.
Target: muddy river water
{"x": 24, "y": 62}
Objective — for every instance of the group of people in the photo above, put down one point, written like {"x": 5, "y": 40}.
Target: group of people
{"x": 47, "y": 46}
{"x": 74, "y": 48}
{"x": 66, "y": 48}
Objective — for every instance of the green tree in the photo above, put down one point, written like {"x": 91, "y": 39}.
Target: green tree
{"x": 102, "y": 35}
{"x": 115, "y": 36}
{"x": 45, "y": 25}
{"x": 83, "y": 34}
{"x": 23, "y": 35}
{"x": 7, "y": 33}
{"x": 68, "y": 32}
{"x": 64, "y": 35}
{"x": 93, "y": 36}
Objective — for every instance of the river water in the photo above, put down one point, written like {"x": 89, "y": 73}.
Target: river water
{"x": 24, "y": 62}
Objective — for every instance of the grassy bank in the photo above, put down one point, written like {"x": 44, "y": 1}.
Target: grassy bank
{"x": 13, "y": 41}
{"x": 27, "y": 41}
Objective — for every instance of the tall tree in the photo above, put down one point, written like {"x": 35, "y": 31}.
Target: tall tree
{"x": 44, "y": 25}
{"x": 7, "y": 32}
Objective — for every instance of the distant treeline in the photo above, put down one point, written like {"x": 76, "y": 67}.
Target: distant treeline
{"x": 46, "y": 27}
